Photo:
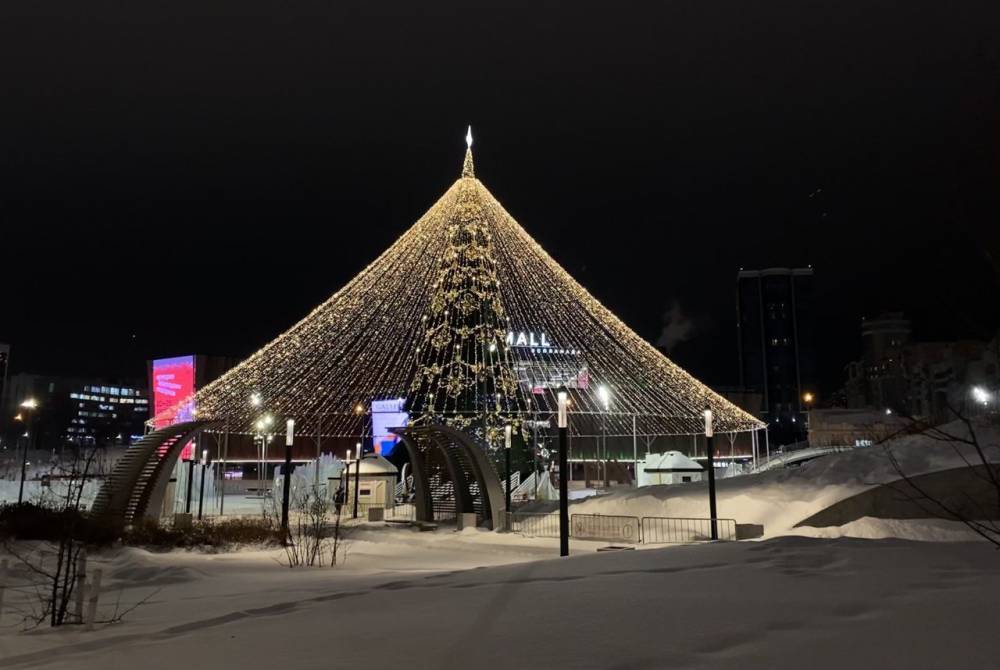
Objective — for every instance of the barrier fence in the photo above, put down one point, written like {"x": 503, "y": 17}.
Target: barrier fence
{"x": 605, "y": 527}
{"x": 533, "y": 525}
{"x": 625, "y": 529}
{"x": 402, "y": 512}
{"x": 670, "y": 530}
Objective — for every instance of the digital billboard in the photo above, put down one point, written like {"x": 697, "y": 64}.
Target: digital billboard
{"x": 387, "y": 414}
{"x": 173, "y": 393}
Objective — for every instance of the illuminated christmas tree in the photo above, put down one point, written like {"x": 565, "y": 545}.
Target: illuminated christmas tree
{"x": 468, "y": 320}
{"x": 465, "y": 375}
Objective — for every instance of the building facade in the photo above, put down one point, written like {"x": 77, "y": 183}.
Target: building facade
{"x": 77, "y": 412}
{"x": 774, "y": 317}
{"x": 928, "y": 380}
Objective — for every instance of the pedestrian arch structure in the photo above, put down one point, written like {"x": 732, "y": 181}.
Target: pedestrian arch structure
{"x": 452, "y": 475}
{"x": 138, "y": 481}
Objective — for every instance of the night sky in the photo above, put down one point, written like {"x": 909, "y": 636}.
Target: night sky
{"x": 193, "y": 177}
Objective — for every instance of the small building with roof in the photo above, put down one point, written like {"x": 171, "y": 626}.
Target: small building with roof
{"x": 671, "y": 467}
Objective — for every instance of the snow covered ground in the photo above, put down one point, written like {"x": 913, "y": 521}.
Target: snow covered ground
{"x": 451, "y": 600}
{"x": 848, "y": 596}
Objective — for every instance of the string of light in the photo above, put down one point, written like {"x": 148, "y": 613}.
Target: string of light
{"x": 470, "y": 321}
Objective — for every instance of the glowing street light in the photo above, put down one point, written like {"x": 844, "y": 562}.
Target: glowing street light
{"x": 981, "y": 395}
{"x": 255, "y": 399}
{"x": 30, "y": 405}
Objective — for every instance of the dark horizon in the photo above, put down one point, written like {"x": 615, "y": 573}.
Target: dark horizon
{"x": 203, "y": 180}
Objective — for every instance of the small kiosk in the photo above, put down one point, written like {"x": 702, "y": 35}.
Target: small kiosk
{"x": 376, "y": 481}
{"x": 671, "y": 467}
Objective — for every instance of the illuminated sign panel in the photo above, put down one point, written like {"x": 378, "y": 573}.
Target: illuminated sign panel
{"x": 173, "y": 393}
{"x": 541, "y": 365}
{"x": 387, "y": 414}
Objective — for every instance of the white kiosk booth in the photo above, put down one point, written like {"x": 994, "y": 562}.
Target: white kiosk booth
{"x": 672, "y": 467}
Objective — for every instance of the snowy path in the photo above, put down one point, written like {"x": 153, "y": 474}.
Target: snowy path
{"x": 787, "y": 602}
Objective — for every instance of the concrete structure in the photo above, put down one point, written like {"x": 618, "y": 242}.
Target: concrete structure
{"x": 139, "y": 481}
{"x": 837, "y": 427}
{"x": 671, "y": 467}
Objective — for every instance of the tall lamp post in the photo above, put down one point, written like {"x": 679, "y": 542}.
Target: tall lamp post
{"x": 201, "y": 482}
{"x": 563, "y": 398}
{"x": 286, "y": 485}
{"x": 508, "y": 429}
{"x": 710, "y": 452}
{"x": 190, "y": 483}
{"x": 359, "y": 409}
{"x": 605, "y": 395}
{"x": 357, "y": 480}
{"x": 29, "y": 405}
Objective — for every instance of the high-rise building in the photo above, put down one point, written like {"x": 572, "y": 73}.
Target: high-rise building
{"x": 774, "y": 317}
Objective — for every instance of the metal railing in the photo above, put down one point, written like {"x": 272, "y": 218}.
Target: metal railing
{"x": 402, "y": 512}
{"x": 672, "y": 530}
{"x": 625, "y": 529}
{"x": 606, "y": 527}
{"x": 533, "y": 524}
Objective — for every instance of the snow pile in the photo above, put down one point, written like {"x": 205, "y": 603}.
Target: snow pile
{"x": 780, "y": 499}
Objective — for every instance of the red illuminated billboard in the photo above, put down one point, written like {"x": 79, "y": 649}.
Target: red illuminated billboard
{"x": 173, "y": 393}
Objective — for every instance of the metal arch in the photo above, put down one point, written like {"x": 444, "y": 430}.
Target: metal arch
{"x": 138, "y": 481}
{"x": 458, "y": 449}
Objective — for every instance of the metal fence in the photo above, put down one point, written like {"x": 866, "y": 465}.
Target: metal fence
{"x": 403, "y": 512}
{"x": 669, "y": 530}
{"x": 533, "y": 525}
{"x": 606, "y": 527}
{"x": 624, "y": 529}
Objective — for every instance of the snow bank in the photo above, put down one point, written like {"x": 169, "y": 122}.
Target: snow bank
{"x": 780, "y": 499}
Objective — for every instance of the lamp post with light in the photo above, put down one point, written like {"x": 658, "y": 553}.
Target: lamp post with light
{"x": 808, "y": 398}
{"x": 201, "y": 482}
{"x": 287, "y": 473}
{"x": 563, "y": 399}
{"x": 359, "y": 409}
{"x": 507, "y": 431}
{"x": 710, "y": 464}
{"x": 29, "y": 405}
{"x": 605, "y": 396}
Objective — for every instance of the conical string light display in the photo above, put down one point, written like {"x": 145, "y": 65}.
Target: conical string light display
{"x": 470, "y": 321}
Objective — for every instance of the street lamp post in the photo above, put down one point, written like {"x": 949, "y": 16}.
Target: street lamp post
{"x": 606, "y": 402}
{"x": 287, "y": 473}
{"x": 508, "y": 429}
{"x": 30, "y": 405}
{"x": 563, "y": 398}
{"x": 357, "y": 480}
{"x": 710, "y": 452}
{"x": 201, "y": 483}
{"x": 190, "y": 483}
